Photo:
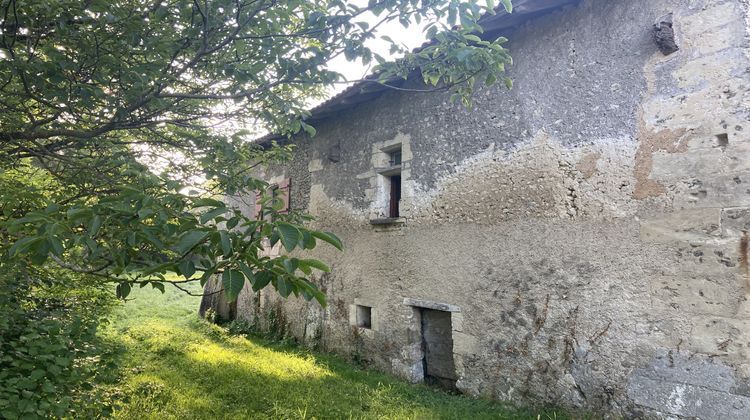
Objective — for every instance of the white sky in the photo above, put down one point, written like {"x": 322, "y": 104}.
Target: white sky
{"x": 410, "y": 37}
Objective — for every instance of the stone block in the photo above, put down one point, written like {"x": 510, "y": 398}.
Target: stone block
{"x": 689, "y": 369}
{"x": 720, "y": 191}
{"x": 352, "y": 315}
{"x": 721, "y": 336}
{"x": 465, "y": 344}
{"x": 315, "y": 165}
{"x": 735, "y": 220}
{"x": 687, "y": 400}
{"x": 690, "y": 226}
{"x": 693, "y": 295}
{"x": 713, "y": 29}
{"x": 702, "y": 162}
{"x": 457, "y": 321}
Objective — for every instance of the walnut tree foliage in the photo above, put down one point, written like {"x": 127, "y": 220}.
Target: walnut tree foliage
{"x": 91, "y": 91}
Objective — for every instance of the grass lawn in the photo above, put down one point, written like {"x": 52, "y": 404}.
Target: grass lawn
{"x": 174, "y": 365}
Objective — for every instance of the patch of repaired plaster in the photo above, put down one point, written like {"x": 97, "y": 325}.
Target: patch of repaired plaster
{"x": 670, "y": 141}
{"x": 542, "y": 178}
{"x": 587, "y": 165}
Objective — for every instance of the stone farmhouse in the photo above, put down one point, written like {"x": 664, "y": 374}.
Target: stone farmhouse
{"x": 578, "y": 240}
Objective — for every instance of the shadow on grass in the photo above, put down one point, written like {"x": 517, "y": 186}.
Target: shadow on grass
{"x": 196, "y": 370}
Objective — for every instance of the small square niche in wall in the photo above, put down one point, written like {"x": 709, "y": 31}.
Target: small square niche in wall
{"x": 721, "y": 141}
{"x": 364, "y": 316}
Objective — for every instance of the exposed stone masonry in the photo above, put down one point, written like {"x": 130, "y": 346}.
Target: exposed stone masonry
{"x": 585, "y": 229}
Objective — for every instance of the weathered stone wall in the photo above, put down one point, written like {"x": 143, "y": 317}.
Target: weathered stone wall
{"x": 584, "y": 228}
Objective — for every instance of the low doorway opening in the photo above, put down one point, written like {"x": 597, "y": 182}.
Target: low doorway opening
{"x": 437, "y": 348}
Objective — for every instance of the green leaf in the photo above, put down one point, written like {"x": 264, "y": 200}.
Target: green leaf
{"x": 508, "y": 5}
{"x": 91, "y": 245}
{"x": 37, "y": 374}
{"x": 158, "y": 286}
{"x": 208, "y": 202}
{"x": 249, "y": 275}
{"x": 77, "y": 213}
{"x": 283, "y": 286}
{"x": 187, "y": 268}
{"x": 226, "y": 243}
{"x": 305, "y": 269}
{"x": 290, "y": 264}
{"x": 122, "y": 290}
{"x": 262, "y": 279}
{"x": 320, "y": 297}
{"x": 56, "y": 245}
{"x": 30, "y": 218}
{"x": 310, "y": 130}
{"x": 233, "y": 281}
{"x": 145, "y": 213}
{"x": 315, "y": 264}
{"x": 189, "y": 240}
{"x": 431, "y": 32}
{"x": 508, "y": 82}
{"x": 131, "y": 240}
{"x": 210, "y": 215}
{"x": 275, "y": 237}
{"x": 461, "y": 55}
{"x": 23, "y": 244}
{"x": 330, "y": 238}
{"x": 289, "y": 234}
{"x": 308, "y": 241}
{"x": 95, "y": 224}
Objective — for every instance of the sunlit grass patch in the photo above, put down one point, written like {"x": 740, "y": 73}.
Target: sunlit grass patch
{"x": 178, "y": 366}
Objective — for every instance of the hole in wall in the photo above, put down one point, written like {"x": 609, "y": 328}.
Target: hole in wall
{"x": 364, "y": 316}
{"x": 664, "y": 35}
{"x": 699, "y": 194}
{"x": 334, "y": 153}
{"x": 721, "y": 141}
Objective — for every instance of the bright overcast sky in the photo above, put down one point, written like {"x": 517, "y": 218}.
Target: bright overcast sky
{"x": 411, "y": 37}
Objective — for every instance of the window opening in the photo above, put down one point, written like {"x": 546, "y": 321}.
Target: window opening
{"x": 394, "y": 158}
{"x": 395, "y": 196}
{"x": 364, "y": 316}
{"x": 389, "y": 186}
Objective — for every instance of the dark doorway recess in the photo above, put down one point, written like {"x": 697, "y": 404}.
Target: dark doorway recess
{"x": 395, "y": 198}
{"x": 437, "y": 348}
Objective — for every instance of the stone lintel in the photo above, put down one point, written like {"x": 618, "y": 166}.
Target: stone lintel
{"x": 420, "y": 303}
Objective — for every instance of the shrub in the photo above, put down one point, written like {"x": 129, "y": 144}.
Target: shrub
{"x": 49, "y": 352}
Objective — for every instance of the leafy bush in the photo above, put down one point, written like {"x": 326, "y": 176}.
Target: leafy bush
{"x": 49, "y": 353}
